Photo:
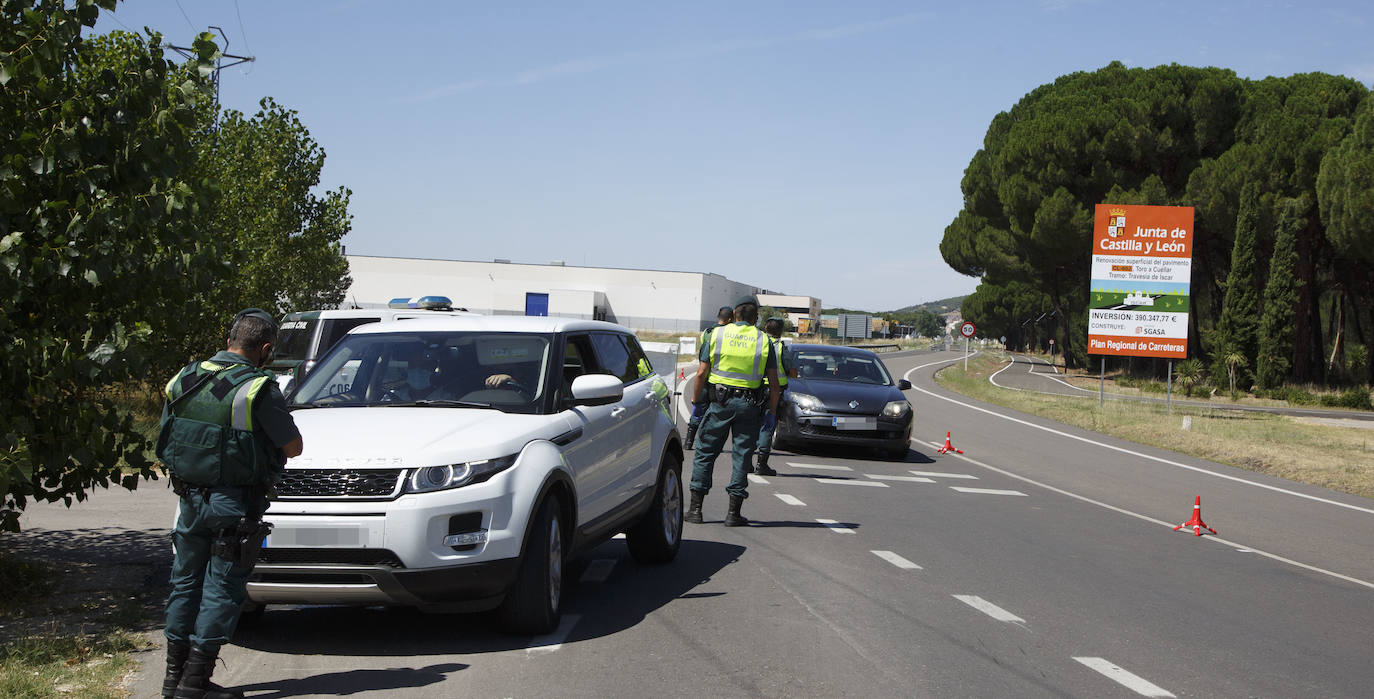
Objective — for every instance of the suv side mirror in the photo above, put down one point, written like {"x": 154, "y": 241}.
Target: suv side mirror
{"x": 597, "y": 389}
{"x": 903, "y": 384}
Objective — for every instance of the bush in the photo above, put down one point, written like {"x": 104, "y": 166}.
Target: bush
{"x": 1357, "y": 398}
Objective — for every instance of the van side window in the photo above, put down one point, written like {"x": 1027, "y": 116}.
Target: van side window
{"x": 335, "y": 328}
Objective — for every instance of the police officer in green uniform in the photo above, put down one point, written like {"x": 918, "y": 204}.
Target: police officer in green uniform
{"x": 773, "y": 329}
{"x": 725, "y": 316}
{"x": 730, "y": 396}
{"x": 225, "y": 437}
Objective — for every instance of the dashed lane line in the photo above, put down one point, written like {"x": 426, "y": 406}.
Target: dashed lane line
{"x": 835, "y": 526}
{"x": 839, "y": 481}
{"x": 757, "y": 480}
{"x": 789, "y": 499}
{"x": 936, "y": 474}
{"x": 1127, "y": 679}
{"x": 598, "y": 570}
{"x": 903, "y": 479}
{"x": 819, "y": 467}
{"x": 987, "y": 491}
{"x": 896, "y": 560}
{"x": 989, "y": 608}
{"x": 552, "y": 642}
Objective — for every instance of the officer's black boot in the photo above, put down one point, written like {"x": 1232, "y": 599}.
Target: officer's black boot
{"x": 692, "y": 435}
{"x": 195, "y": 680}
{"x": 762, "y": 468}
{"x": 732, "y": 517}
{"x": 176, "y": 660}
{"x": 694, "y": 510}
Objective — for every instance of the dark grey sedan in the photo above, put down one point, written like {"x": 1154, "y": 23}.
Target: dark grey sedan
{"x": 844, "y": 395}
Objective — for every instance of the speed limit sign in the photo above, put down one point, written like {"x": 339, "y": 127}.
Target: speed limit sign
{"x": 967, "y": 329}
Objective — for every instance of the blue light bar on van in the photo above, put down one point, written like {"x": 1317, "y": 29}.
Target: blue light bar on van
{"x": 430, "y": 303}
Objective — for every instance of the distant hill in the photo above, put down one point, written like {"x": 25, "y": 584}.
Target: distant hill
{"x": 937, "y": 307}
{"x": 940, "y": 307}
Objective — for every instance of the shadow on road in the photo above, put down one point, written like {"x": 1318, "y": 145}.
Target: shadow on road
{"x": 620, "y": 602}
{"x": 354, "y": 681}
{"x": 800, "y": 525}
{"x": 838, "y": 451}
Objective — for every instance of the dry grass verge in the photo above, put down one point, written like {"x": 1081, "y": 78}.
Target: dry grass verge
{"x": 1337, "y": 457}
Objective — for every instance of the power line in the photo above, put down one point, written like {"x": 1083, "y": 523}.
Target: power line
{"x": 184, "y": 16}
{"x": 220, "y": 65}
{"x": 241, "y": 29}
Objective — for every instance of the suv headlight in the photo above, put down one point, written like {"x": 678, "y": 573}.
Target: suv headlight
{"x": 431, "y": 478}
{"x": 896, "y": 408}
{"x": 805, "y": 402}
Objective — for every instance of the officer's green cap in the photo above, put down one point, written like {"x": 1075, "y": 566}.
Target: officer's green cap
{"x": 255, "y": 313}
{"x": 747, "y": 299}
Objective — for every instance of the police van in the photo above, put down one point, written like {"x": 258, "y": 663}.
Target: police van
{"x": 303, "y": 337}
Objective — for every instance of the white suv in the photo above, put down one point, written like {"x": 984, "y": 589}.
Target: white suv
{"x": 455, "y": 462}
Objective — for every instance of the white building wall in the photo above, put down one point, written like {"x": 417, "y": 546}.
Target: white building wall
{"x": 640, "y": 299}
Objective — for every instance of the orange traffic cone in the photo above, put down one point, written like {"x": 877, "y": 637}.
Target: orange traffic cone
{"x": 681, "y": 374}
{"x": 948, "y": 447}
{"x": 1196, "y": 522}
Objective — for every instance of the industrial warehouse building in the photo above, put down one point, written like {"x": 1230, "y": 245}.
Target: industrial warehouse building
{"x": 656, "y": 300}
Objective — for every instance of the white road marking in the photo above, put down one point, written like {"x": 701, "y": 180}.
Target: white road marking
{"x": 987, "y": 491}
{"x": 904, "y": 479}
{"x": 758, "y": 480}
{"x": 896, "y": 560}
{"x": 834, "y": 526}
{"x": 819, "y": 467}
{"x": 789, "y": 499}
{"x": 552, "y": 642}
{"x": 1124, "y": 450}
{"x": 839, "y": 481}
{"x": 1129, "y": 680}
{"x": 935, "y": 474}
{"x": 989, "y": 608}
{"x": 1137, "y": 515}
{"x": 598, "y": 570}
{"x": 621, "y": 535}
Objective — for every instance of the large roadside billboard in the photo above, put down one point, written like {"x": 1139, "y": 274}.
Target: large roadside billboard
{"x": 1142, "y": 265}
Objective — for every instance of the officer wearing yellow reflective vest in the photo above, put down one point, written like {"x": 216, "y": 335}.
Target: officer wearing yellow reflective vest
{"x": 773, "y": 329}
{"x": 724, "y": 317}
{"x": 730, "y": 396}
{"x": 225, "y": 438}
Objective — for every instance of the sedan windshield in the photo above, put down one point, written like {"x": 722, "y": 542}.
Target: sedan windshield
{"x": 823, "y": 365}
{"x": 505, "y": 371}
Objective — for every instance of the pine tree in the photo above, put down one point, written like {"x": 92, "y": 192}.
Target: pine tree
{"x": 1280, "y": 296}
{"x": 1237, "y": 330}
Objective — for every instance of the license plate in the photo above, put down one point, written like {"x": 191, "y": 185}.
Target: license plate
{"x": 317, "y": 536}
{"x": 854, "y": 423}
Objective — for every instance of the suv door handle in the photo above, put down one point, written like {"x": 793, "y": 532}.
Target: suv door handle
{"x": 617, "y": 412}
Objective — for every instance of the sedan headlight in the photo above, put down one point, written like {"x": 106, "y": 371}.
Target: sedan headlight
{"x": 431, "y": 478}
{"x": 896, "y": 408}
{"x": 804, "y": 402}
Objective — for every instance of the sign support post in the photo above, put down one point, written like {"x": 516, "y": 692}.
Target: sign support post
{"x": 1169, "y": 389}
{"x": 1102, "y": 383}
{"x": 967, "y": 330}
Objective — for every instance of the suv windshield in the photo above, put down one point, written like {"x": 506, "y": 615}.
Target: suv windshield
{"x": 820, "y": 365}
{"x": 506, "y": 371}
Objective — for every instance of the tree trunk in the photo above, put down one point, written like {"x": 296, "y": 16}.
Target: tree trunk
{"x": 1307, "y": 337}
{"x": 1337, "y": 345}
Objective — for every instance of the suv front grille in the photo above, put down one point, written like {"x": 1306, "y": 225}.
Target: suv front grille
{"x": 339, "y": 482}
{"x": 352, "y": 557}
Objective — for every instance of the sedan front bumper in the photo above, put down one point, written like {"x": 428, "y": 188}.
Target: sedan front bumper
{"x": 821, "y": 427}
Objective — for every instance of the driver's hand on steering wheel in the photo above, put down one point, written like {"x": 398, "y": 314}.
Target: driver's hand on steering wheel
{"x": 495, "y": 380}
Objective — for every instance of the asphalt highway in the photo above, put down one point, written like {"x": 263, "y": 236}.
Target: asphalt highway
{"x": 1039, "y": 563}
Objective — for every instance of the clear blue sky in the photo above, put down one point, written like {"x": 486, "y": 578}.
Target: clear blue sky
{"x": 806, "y": 147}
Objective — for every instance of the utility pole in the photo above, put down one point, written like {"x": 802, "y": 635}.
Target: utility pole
{"x": 219, "y": 62}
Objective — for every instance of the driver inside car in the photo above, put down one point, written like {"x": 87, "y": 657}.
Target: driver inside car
{"x": 423, "y": 380}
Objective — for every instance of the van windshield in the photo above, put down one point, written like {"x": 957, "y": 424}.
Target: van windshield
{"x": 293, "y": 339}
